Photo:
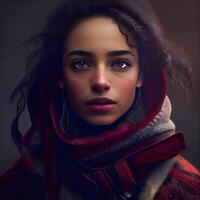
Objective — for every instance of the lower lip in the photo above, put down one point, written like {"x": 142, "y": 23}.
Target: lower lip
{"x": 101, "y": 107}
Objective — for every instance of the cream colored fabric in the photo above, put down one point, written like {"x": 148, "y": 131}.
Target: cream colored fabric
{"x": 156, "y": 179}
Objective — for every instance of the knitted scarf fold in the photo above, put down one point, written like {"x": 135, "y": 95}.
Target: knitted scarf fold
{"x": 161, "y": 123}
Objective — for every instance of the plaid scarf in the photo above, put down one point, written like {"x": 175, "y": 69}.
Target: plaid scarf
{"x": 97, "y": 172}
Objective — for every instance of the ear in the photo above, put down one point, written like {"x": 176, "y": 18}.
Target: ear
{"x": 140, "y": 80}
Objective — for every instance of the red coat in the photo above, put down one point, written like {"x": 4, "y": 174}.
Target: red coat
{"x": 182, "y": 183}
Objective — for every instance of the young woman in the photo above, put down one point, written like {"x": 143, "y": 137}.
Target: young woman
{"x": 96, "y": 93}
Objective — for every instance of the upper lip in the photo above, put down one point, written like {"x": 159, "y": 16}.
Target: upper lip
{"x": 101, "y": 100}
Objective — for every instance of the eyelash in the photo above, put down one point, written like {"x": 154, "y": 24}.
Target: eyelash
{"x": 115, "y": 68}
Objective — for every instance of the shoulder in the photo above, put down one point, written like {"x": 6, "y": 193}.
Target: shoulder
{"x": 183, "y": 182}
{"x": 19, "y": 183}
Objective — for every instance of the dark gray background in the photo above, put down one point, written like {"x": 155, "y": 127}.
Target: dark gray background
{"x": 20, "y": 19}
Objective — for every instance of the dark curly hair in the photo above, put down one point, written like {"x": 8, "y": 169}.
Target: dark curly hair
{"x": 135, "y": 19}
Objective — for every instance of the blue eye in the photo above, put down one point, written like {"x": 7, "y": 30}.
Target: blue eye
{"x": 120, "y": 65}
{"x": 80, "y": 65}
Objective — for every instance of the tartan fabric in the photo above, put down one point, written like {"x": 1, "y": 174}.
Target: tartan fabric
{"x": 182, "y": 183}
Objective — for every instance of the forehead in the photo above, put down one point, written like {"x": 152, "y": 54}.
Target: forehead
{"x": 95, "y": 34}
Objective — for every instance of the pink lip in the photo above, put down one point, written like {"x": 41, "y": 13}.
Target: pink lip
{"x": 100, "y": 100}
{"x": 101, "y": 104}
{"x": 101, "y": 107}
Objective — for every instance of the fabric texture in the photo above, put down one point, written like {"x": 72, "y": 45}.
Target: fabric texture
{"x": 163, "y": 177}
{"x": 102, "y": 169}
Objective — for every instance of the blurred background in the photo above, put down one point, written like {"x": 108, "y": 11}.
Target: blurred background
{"x": 21, "y": 19}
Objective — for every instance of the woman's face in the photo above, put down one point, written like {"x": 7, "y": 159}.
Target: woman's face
{"x": 100, "y": 71}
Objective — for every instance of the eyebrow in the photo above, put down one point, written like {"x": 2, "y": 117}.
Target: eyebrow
{"x": 109, "y": 54}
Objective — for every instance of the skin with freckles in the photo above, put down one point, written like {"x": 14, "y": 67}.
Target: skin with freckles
{"x": 98, "y": 63}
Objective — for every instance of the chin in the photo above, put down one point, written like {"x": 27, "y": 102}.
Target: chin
{"x": 100, "y": 121}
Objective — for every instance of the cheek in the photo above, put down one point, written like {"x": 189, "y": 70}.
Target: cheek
{"x": 127, "y": 92}
{"x": 127, "y": 86}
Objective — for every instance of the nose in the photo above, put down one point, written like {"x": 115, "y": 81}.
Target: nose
{"x": 100, "y": 82}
